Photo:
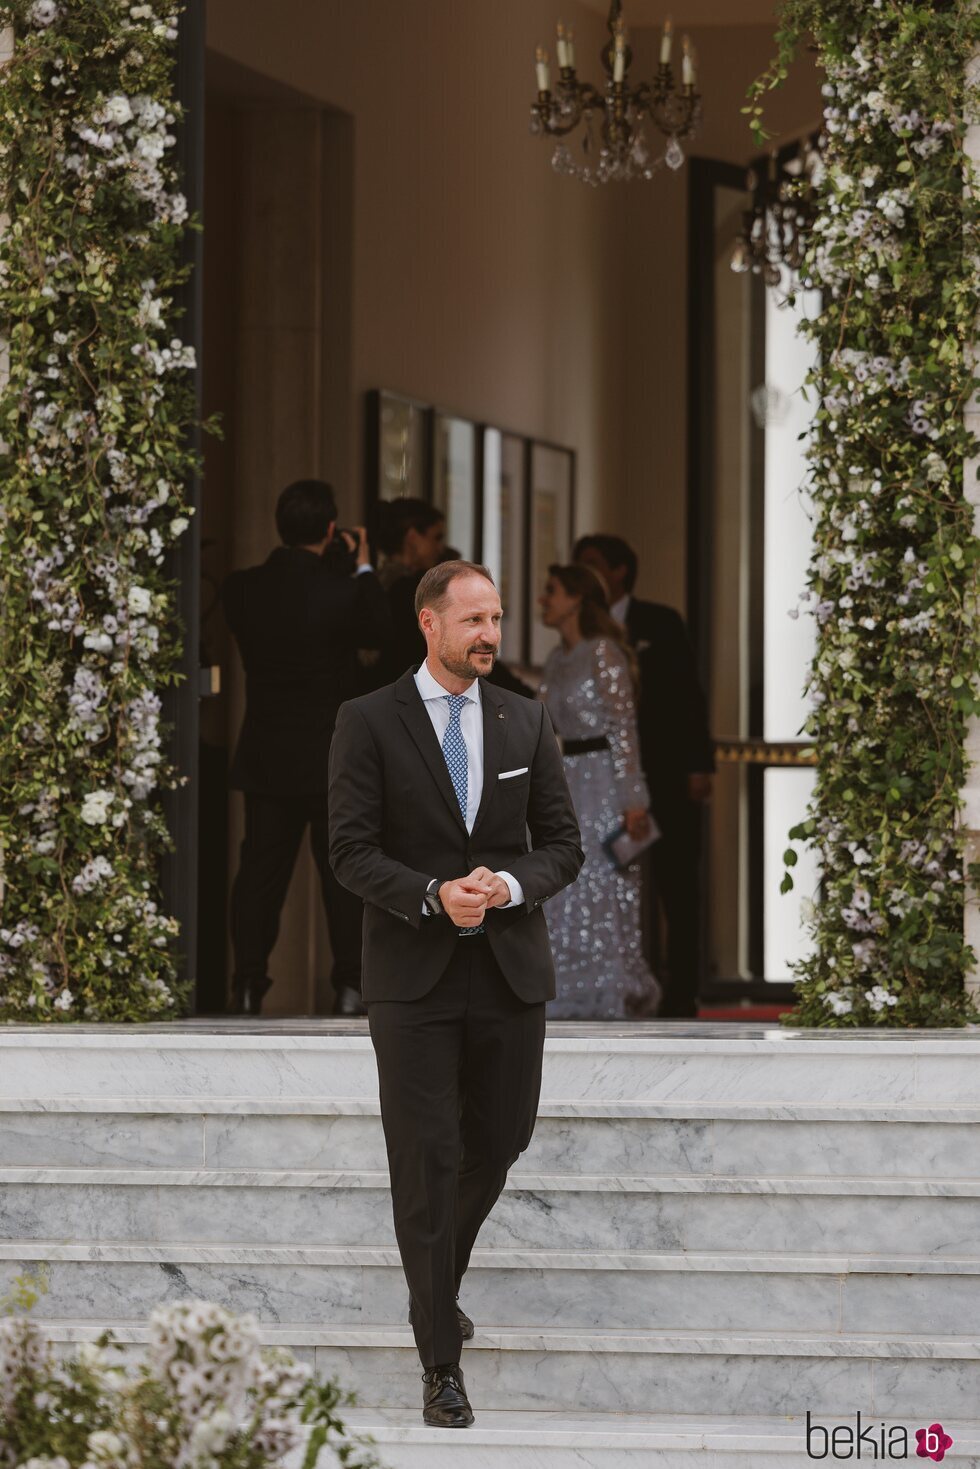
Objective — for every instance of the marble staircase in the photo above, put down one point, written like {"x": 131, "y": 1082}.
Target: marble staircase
{"x": 713, "y": 1231}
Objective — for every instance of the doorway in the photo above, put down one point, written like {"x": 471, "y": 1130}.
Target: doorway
{"x": 750, "y": 541}
{"x": 276, "y": 370}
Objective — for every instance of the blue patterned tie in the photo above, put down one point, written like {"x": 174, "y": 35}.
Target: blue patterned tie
{"x": 454, "y": 751}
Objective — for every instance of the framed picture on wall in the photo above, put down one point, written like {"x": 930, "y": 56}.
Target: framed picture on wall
{"x": 397, "y": 447}
{"x": 456, "y": 476}
{"x": 551, "y": 496}
{"x": 504, "y": 520}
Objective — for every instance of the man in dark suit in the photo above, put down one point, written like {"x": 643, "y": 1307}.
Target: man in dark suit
{"x": 435, "y": 782}
{"x": 677, "y": 754}
{"x": 298, "y": 619}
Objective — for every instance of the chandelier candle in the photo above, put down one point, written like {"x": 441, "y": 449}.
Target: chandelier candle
{"x": 666, "y": 42}
{"x": 687, "y": 64}
{"x": 619, "y": 51}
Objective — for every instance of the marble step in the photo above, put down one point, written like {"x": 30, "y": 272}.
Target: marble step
{"x": 591, "y": 1212}
{"x": 548, "y": 1290}
{"x": 648, "y": 1064}
{"x": 546, "y": 1440}
{"x": 643, "y": 1372}
{"x": 259, "y": 1105}
{"x": 576, "y": 1144}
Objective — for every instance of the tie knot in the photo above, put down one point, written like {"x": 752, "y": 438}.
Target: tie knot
{"x": 456, "y": 702}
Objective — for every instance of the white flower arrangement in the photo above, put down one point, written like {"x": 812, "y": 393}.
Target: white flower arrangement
{"x": 207, "y": 1396}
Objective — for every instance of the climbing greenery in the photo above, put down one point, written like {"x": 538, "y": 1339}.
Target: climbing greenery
{"x": 893, "y": 580}
{"x": 94, "y": 418}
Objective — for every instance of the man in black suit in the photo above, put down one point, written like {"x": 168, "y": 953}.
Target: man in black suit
{"x": 435, "y": 782}
{"x": 677, "y": 754}
{"x": 298, "y": 619}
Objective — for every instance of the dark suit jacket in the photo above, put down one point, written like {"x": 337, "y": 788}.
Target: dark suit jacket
{"x": 298, "y": 627}
{"x": 673, "y": 714}
{"x": 395, "y": 824}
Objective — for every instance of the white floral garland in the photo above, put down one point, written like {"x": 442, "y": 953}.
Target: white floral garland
{"x": 893, "y": 581}
{"x": 95, "y": 415}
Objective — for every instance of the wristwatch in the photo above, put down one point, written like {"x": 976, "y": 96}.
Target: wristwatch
{"x": 431, "y": 898}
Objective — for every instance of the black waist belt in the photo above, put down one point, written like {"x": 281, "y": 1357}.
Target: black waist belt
{"x": 584, "y": 747}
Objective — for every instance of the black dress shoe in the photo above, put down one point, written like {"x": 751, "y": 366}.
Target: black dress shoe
{"x": 347, "y": 1001}
{"x": 444, "y": 1400}
{"x": 247, "y": 999}
{"x": 465, "y": 1324}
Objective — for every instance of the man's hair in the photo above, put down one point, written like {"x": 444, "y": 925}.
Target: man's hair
{"x": 305, "y": 511}
{"x": 614, "y": 551}
{"x": 432, "y": 589}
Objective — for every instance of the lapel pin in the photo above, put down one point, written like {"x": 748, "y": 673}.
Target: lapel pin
{"x": 500, "y": 714}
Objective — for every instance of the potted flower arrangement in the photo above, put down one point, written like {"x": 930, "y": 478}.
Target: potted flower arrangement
{"x": 206, "y": 1395}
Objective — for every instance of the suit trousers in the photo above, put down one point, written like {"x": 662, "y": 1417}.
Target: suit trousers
{"x": 274, "y": 828}
{"x": 460, "y": 1078}
{"x": 676, "y": 862}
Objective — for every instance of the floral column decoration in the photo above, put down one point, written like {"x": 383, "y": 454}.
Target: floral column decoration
{"x": 94, "y": 413}
{"x": 893, "y": 580}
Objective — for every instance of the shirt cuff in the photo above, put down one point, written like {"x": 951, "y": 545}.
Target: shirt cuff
{"x": 516, "y": 891}
{"x": 366, "y": 567}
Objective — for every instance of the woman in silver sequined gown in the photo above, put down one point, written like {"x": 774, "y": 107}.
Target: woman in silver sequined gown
{"x": 588, "y": 688}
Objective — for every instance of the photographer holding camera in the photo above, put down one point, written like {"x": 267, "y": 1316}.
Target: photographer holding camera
{"x": 299, "y": 620}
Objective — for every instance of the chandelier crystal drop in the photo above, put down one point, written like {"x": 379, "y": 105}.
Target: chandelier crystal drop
{"x": 613, "y": 121}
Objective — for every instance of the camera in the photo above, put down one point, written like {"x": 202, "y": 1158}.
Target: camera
{"x": 338, "y": 556}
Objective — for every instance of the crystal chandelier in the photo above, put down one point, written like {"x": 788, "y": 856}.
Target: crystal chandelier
{"x": 614, "y": 144}
{"x": 775, "y": 231}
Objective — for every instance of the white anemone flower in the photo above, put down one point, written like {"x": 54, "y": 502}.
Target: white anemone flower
{"x": 95, "y": 808}
{"x": 117, "y": 109}
{"x": 43, "y": 13}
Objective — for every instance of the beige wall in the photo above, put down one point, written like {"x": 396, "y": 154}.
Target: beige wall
{"x": 481, "y": 280}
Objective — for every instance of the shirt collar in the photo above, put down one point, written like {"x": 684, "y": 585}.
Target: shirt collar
{"x": 431, "y": 688}
{"x": 621, "y": 608}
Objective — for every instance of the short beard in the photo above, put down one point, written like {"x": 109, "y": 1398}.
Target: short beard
{"x": 462, "y": 667}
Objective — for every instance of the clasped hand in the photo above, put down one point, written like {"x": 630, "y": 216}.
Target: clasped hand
{"x": 466, "y": 899}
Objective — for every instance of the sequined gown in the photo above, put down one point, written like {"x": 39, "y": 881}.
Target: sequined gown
{"x": 595, "y": 924}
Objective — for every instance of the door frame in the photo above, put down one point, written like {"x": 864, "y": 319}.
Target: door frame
{"x": 706, "y": 176}
{"x": 179, "y": 868}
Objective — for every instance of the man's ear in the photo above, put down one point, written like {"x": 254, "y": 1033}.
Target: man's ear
{"x": 426, "y": 617}
{"x": 331, "y": 531}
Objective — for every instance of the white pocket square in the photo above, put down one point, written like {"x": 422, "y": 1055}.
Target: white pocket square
{"x": 509, "y": 774}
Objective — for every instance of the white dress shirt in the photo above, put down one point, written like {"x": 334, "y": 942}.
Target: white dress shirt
{"x": 620, "y": 609}
{"x": 471, "y": 725}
